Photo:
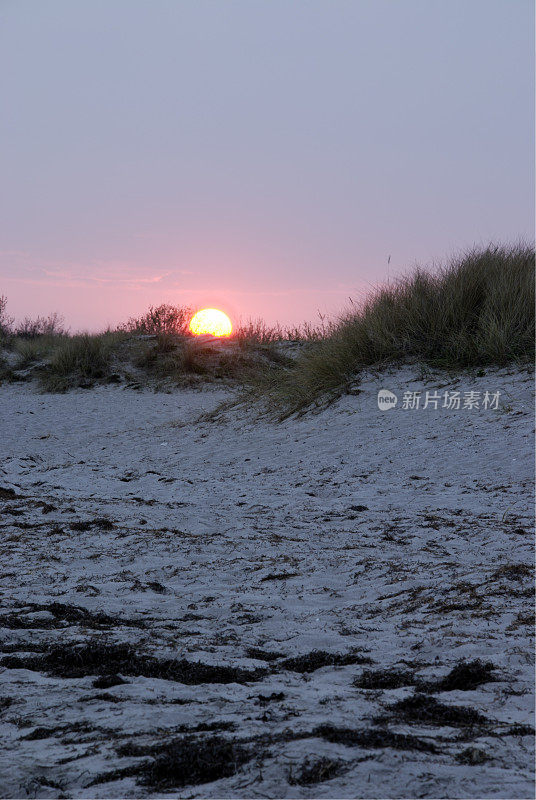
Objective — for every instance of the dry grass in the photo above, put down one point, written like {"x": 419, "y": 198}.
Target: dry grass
{"x": 477, "y": 310}
{"x": 79, "y": 361}
{"x": 35, "y": 350}
{"x": 158, "y": 361}
{"x": 254, "y": 332}
{"x": 190, "y": 360}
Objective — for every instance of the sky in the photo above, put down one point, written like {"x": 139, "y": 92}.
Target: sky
{"x": 265, "y": 157}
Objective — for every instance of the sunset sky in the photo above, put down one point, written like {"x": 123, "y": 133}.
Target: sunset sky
{"x": 264, "y": 157}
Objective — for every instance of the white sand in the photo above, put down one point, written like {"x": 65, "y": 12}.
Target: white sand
{"x": 209, "y": 509}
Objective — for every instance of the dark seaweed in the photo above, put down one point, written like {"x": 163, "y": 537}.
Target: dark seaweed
{"x": 101, "y": 659}
{"x": 320, "y": 658}
{"x": 429, "y": 711}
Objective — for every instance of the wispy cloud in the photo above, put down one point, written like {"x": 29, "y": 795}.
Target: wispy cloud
{"x": 109, "y": 279}
{"x": 19, "y": 266}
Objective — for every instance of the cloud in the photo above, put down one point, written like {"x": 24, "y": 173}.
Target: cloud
{"x": 109, "y": 278}
{"x": 30, "y": 270}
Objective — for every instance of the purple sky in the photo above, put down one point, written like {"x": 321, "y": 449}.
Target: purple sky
{"x": 261, "y": 156}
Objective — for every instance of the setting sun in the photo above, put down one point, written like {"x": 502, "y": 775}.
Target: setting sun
{"x": 210, "y": 320}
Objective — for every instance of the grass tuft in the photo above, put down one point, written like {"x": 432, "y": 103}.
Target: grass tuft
{"x": 78, "y": 361}
{"x": 35, "y": 350}
{"x": 256, "y": 331}
{"x": 477, "y": 310}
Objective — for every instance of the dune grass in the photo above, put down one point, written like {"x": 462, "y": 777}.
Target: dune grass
{"x": 32, "y": 351}
{"x": 476, "y": 310}
{"x": 79, "y": 361}
{"x": 256, "y": 331}
{"x": 190, "y": 361}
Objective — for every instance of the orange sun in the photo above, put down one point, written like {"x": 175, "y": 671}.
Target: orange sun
{"x": 210, "y": 320}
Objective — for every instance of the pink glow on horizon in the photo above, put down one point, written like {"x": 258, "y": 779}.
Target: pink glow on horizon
{"x": 101, "y": 296}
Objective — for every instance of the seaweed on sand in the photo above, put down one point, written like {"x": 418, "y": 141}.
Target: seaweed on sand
{"x": 61, "y": 613}
{"x": 263, "y": 655}
{"x": 185, "y": 762}
{"x": 107, "y": 681}
{"x": 372, "y": 738}
{"x": 384, "y": 679}
{"x": 463, "y": 677}
{"x": 320, "y": 658}
{"x": 420, "y": 708}
{"x": 106, "y": 659}
{"x": 317, "y": 771}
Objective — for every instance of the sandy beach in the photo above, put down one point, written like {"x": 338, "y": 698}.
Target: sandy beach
{"x": 279, "y": 594}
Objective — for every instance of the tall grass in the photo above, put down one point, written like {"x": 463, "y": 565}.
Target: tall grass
{"x": 256, "y": 331}
{"x": 79, "y": 361}
{"x": 477, "y": 310}
{"x": 36, "y": 349}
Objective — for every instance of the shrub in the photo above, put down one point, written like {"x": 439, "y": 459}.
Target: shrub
{"x": 5, "y": 321}
{"x": 477, "y": 310}
{"x": 40, "y": 326}
{"x": 163, "y": 319}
